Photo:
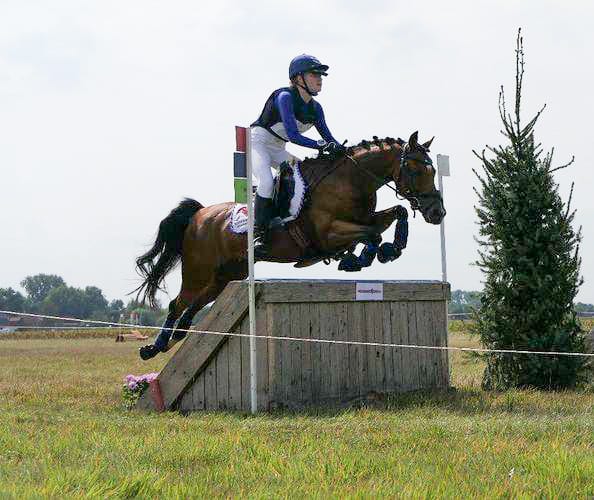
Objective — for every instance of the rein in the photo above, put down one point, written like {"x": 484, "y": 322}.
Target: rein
{"x": 412, "y": 197}
{"x": 382, "y": 182}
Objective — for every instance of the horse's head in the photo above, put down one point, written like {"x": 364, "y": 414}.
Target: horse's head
{"x": 415, "y": 180}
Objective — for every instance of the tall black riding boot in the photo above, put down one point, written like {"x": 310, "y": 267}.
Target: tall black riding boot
{"x": 263, "y": 214}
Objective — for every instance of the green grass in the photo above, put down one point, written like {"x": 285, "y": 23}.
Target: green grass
{"x": 64, "y": 433}
{"x": 73, "y": 333}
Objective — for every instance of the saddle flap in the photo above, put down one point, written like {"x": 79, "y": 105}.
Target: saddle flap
{"x": 289, "y": 191}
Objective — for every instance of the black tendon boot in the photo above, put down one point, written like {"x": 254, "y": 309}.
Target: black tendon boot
{"x": 263, "y": 214}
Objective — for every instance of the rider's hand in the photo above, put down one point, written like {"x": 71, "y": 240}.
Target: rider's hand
{"x": 333, "y": 149}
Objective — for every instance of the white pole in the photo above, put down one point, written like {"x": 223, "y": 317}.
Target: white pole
{"x": 252, "y": 295}
{"x": 443, "y": 169}
{"x": 444, "y": 271}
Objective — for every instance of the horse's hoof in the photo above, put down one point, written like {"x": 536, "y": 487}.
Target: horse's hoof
{"x": 367, "y": 256}
{"x": 350, "y": 264}
{"x": 386, "y": 253}
{"x": 148, "y": 352}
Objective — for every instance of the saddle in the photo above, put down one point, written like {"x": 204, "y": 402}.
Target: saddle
{"x": 299, "y": 227}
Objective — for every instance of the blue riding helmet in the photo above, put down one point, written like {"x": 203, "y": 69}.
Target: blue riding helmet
{"x": 305, "y": 63}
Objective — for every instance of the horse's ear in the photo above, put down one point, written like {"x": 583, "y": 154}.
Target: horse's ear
{"x": 427, "y": 145}
{"x": 413, "y": 141}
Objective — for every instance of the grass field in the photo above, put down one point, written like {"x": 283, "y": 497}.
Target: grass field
{"x": 64, "y": 433}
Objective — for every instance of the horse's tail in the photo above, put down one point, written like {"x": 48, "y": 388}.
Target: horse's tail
{"x": 166, "y": 250}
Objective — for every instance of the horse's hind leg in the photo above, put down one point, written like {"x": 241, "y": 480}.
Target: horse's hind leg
{"x": 176, "y": 307}
{"x": 185, "y": 322}
{"x": 232, "y": 270}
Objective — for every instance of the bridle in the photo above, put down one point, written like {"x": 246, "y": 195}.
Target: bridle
{"x": 408, "y": 193}
{"x": 411, "y": 175}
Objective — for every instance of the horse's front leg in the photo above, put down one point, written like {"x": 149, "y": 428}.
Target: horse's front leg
{"x": 390, "y": 251}
{"x": 342, "y": 234}
{"x": 371, "y": 235}
{"x": 384, "y": 219}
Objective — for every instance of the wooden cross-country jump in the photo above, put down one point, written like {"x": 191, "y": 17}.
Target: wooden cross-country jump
{"x": 212, "y": 372}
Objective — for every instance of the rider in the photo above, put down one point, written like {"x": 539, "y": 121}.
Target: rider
{"x": 288, "y": 112}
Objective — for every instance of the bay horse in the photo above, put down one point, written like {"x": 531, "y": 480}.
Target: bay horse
{"x": 340, "y": 214}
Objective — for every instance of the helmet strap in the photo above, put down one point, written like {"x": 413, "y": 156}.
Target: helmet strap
{"x": 306, "y": 87}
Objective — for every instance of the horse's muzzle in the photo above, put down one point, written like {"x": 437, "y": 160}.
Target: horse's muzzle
{"x": 434, "y": 214}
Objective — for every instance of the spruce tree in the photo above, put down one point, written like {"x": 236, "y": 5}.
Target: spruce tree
{"x": 529, "y": 255}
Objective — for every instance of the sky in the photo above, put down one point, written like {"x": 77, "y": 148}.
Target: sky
{"x": 111, "y": 112}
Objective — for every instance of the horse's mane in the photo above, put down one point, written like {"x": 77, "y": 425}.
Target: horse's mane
{"x": 376, "y": 141}
{"x": 366, "y": 146}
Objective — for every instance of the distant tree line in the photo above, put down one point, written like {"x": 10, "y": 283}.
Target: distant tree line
{"x": 49, "y": 294}
{"x": 464, "y": 302}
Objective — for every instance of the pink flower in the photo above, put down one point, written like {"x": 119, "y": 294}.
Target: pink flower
{"x": 133, "y": 382}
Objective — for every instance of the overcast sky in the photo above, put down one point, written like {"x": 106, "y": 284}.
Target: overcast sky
{"x": 112, "y": 111}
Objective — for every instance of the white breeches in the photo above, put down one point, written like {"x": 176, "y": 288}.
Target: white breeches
{"x": 267, "y": 152}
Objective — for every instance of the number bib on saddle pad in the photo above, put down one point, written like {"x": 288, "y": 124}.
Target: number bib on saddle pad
{"x": 289, "y": 196}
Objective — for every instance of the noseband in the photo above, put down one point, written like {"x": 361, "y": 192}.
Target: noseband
{"x": 409, "y": 193}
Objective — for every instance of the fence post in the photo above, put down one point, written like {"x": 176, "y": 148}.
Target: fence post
{"x": 242, "y": 166}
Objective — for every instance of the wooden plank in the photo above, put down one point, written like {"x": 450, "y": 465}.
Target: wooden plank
{"x": 274, "y": 355}
{"x": 198, "y": 349}
{"x": 186, "y": 402}
{"x": 222, "y": 369}
{"x": 285, "y": 373}
{"x": 344, "y": 291}
{"x": 379, "y": 351}
{"x": 425, "y": 338}
{"x": 390, "y": 384}
{"x": 262, "y": 327}
{"x": 355, "y": 319}
{"x": 399, "y": 316}
{"x": 441, "y": 335}
{"x": 370, "y": 351}
{"x": 431, "y": 356}
{"x": 445, "y": 353}
{"x": 316, "y": 351}
{"x": 234, "y": 399}
{"x": 295, "y": 348}
{"x": 335, "y": 364}
{"x": 210, "y": 386}
{"x": 306, "y": 353}
{"x": 363, "y": 359}
{"x": 413, "y": 353}
{"x": 246, "y": 403}
{"x": 437, "y": 310}
{"x": 345, "y": 383}
{"x": 326, "y": 368}
{"x": 198, "y": 393}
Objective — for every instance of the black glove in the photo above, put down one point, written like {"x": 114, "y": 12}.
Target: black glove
{"x": 332, "y": 149}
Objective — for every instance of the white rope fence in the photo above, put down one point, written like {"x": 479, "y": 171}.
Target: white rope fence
{"x": 21, "y": 327}
{"x": 321, "y": 341}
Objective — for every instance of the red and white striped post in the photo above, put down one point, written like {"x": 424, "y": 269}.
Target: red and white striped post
{"x": 242, "y": 166}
